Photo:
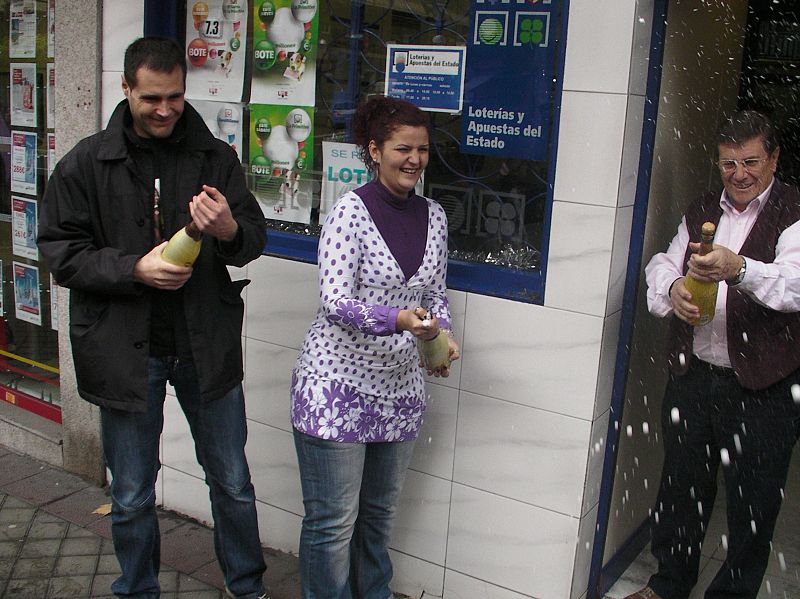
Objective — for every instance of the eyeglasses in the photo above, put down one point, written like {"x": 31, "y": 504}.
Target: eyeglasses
{"x": 748, "y": 164}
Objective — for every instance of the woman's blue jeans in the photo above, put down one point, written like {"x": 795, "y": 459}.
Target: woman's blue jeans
{"x": 350, "y": 493}
{"x": 130, "y": 444}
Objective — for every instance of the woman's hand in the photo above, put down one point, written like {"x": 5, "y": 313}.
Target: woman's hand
{"x": 415, "y": 323}
{"x": 455, "y": 354}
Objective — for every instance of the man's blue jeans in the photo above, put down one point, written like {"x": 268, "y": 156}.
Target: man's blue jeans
{"x": 131, "y": 447}
{"x": 350, "y": 493}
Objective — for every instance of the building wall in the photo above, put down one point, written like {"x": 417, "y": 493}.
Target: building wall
{"x": 501, "y": 499}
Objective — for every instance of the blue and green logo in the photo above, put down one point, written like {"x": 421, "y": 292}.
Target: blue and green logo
{"x": 490, "y": 31}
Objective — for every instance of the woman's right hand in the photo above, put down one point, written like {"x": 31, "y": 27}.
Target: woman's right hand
{"x": 415, "y": 323}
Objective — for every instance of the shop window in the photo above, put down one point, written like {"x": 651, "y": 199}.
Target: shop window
{"x": 492, "y": 159}
{"x": 29, "y": 375}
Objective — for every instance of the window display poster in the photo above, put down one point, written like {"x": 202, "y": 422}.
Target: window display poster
{"x": 285, "y": 35}
{"x": 51, "y": 154}
{"x": 23, "y": 94}
{"x": 54, "y": 290}
{"x": 26, "y": 293}
{"x": 216, "y": 34}
{"x": 23, "y": 162}
{"x": 281, "y": 157}
{"x": 343, "y": 171}
{"x": 224, "y": 120}
{"x": 511, "y": 46}
{"x": 430, "y": 77}
{"x": 51, "y": 95}
{"x": 51, "y": 28}
{"x": 22, "y": 29}
{"x": 24, "y": 227}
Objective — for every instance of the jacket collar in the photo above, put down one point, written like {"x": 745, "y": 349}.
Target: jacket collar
{"x": 113, "y": 144}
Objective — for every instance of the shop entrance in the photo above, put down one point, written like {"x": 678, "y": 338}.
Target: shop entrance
{"x": 717, "y": 58}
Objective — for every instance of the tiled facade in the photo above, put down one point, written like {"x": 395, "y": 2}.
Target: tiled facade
{"x": 502, "y": 498}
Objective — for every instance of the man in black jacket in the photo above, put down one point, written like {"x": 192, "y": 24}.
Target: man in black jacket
{"x": 138, "y": 322}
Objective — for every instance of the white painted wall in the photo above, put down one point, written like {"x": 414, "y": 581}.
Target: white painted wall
{"x": 502, "y": 498}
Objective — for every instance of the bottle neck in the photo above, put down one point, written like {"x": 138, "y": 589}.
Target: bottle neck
{"x": 193, "y": 232}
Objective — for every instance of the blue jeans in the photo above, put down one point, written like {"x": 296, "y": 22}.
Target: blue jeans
{"x": 350, "y": 493}
{"x": 131, "y": 447}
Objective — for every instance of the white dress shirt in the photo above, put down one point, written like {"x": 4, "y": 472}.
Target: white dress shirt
{"x": 775, "y": 285}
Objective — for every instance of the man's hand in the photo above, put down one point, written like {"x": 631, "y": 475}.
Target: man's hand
{"x": 212, "y": 215}
{"x": 682, "y": 305}
{"x": 151, "y": 270}
{"x": 719, "y": 264}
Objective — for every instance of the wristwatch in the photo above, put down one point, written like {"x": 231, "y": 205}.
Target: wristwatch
{"x": 739, "y": 275}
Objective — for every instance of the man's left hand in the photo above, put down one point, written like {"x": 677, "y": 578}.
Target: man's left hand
{"x": 212, "y": 215}
{"x": 717, "y": 265}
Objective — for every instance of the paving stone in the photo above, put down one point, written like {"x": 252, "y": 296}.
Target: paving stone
{"x": 81, "y": 546}
{"x": 48, "y": 530}
{"x": 40, "y": 548}
{"x": 108, "y": 564}
{"x": 13, "y": 532}
{"x": 16, "y": 515}
{"x": 69, "y": 587}
{"x": 187, "y": 547}
{"x": 27, "y": 589}
{"x": 15, "y": 467}
{"x": 6, "y": 565}
{"x": 10, "y": 548}
{"x": 33, "y": 567}
{"x": 76, "y": 565}
{"x": 45, "y": 487}
{"x": 101, "y": 585}
{"x": 79, "y": 507}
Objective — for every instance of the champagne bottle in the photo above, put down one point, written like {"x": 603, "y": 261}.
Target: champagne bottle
{"x": 704, "y": 294}
{"x": 435, "y": 352}
{"x": 183, "y": 247}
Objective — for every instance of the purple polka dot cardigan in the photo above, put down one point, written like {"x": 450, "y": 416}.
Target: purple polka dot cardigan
{"x": 357, "y": 379}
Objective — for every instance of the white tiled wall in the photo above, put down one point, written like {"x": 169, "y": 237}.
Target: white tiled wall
{"x": 501, "y": 499}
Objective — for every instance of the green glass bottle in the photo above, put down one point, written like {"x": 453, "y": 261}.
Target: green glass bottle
{"x": 183, "y": 247}
{"x": 704, "y": 293}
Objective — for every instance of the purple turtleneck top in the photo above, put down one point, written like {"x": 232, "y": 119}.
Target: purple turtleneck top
{"x": 402, "y": 222}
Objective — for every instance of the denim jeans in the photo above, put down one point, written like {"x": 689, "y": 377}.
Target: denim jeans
{"x": 131, "y": 447}
{"x": 350, "y": 493}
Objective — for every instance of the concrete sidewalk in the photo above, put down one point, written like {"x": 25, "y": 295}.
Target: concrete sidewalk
{"x": 54, "y": 546}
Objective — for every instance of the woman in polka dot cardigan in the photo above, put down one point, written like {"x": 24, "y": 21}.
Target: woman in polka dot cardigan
{"x": 358, "y": 391}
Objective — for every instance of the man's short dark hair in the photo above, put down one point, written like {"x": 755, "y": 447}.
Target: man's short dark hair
{"x": 746, "y": 125}
{"x": 159, "y": 54}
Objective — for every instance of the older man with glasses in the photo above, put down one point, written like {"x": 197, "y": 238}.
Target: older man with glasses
{"x": 733, "y": 397}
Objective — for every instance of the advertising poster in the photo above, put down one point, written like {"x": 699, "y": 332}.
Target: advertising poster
{"x": 24, "y": 227}
{"x": 51, "y": 154}
{"x": 285, "y": 35}
{"x": 22, "y": 29}
{"x": 27, "y": 306}
{"x": 430, "y": 77}
{"x": 23, "y": 94}
{"x": 281, "y": 160}
{"x": 343, "y": 171}
{"x": 224, "y": 120}
{"x": 511, "y": 46}
{"x": 51, "y": 95}
{"x": 51, "y": 28}
{"x": 23, "y": 162}
{"x": 54, "y": 290}
{"x": 216, "y": 35}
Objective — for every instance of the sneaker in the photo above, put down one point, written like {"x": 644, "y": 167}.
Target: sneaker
{"x": 232, "y": 596}
{"x": 645, "y": 593}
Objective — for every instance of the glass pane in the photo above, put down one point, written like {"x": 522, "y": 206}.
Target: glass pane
{"x": 495, "y": 205}
{"x": 28, "y": 339}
